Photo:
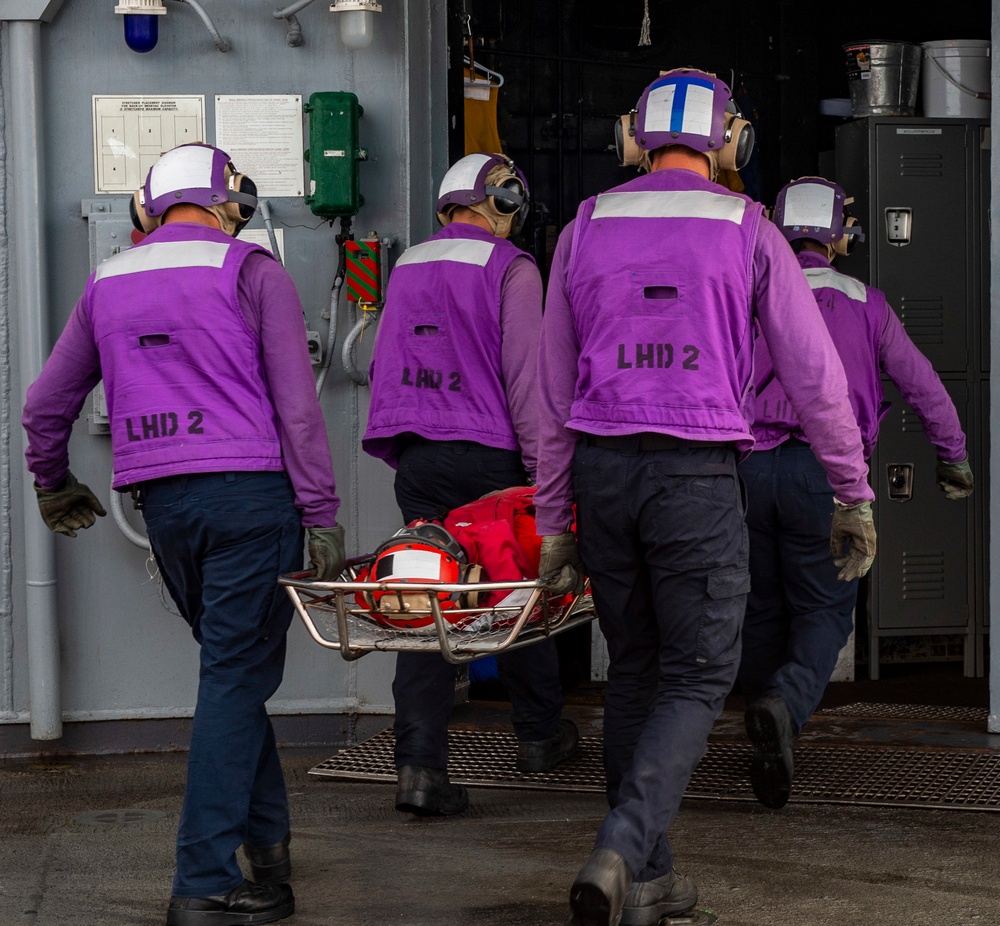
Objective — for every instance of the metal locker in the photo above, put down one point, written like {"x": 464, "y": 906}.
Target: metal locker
{"x": 921, "y": 194}
{"x": 923, "y": 578}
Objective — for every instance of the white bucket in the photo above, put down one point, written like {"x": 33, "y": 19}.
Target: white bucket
{"x": 955, "y": 79}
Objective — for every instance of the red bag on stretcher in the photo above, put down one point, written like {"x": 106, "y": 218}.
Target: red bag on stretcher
{"x": 492, "y": 539}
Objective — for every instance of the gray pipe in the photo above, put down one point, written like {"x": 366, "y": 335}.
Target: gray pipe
{"x": 30, "y": 273}
{"x": 292, "y": 9}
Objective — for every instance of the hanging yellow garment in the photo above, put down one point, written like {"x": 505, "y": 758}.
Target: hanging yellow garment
{"x": 481, "y": 133}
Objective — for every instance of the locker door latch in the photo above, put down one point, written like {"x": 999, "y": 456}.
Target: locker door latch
{"x": 900, "y": 479}
{"x": 898, "y": 225}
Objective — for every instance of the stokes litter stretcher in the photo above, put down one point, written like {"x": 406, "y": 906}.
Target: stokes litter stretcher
{"x": 465, "y": 588}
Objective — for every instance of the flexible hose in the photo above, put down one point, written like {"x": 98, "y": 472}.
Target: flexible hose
{"x": 221, "y": 42}
{"x": 338, "y": 281}
{"x": 349, "y": 360}
{"x": 117, "y": 504}
{"x": 294, "y": 37}
{"x": 331, "y": 338}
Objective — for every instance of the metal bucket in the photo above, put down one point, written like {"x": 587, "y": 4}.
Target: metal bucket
{"x": 883, "y": 77}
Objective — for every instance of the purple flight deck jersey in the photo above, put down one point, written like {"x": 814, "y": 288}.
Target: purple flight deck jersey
{"x": 456, "y": 348}
{"x": 648, "y": 326}
{"x": 197, "y": 337}
{"x": 871, "y": 340}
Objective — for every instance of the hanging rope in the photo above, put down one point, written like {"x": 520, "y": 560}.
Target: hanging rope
{"x": 644, "y": 38}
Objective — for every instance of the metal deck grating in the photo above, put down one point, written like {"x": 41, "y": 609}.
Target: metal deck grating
{"x": 894, "y": 777}
{"x": 909, "y": 712}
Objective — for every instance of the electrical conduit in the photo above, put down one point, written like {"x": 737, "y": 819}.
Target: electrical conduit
{"x": 30, "y": 273}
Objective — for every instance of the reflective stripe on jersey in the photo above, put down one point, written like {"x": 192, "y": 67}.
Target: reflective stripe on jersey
{"x": 163, "y": 255}
{"x": 442, "y": 249}
{"x": 669, "y": 204}
{"x": 828, "y": 278}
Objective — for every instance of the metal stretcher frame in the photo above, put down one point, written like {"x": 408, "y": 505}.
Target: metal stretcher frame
{"x": 335, "y": 621}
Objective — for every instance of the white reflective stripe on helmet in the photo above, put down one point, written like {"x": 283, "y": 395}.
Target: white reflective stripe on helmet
{"x": 686, "y": 204}
{"x": 184, "y": 168}
{"x": 412, "y": 564}
{"x": 460, "y": 251}
{"x": 163, "y": 255}
{"x": 463, "y": 173}
{"x": 828, "y": 278}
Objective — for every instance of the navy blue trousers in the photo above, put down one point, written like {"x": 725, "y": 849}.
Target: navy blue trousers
{"x": 432, "y": 478}
{"x": 663, "y": 540}
{"x": 221, "y": 540}
{"x": 798, "y": 613}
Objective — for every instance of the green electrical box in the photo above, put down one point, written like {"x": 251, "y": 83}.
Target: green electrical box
{"x": 333, "y": 154}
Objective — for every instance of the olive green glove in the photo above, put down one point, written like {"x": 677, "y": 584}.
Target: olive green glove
{"x": 561, "y": 559}
{"x": 326, "y": 552}
{"x": 853, "y": 527}
{"x": 954, "y": 479}
{"x": 69, "y": 508}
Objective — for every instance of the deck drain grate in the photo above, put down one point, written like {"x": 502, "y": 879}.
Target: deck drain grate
{"x": 909, "y": 712}
{"x": 946, "y": 779}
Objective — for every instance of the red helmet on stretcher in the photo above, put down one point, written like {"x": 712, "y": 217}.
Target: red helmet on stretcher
{"x": 420, "y": 554}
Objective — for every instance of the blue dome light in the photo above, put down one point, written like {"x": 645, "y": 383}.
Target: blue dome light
{"x": 141, "y": 32}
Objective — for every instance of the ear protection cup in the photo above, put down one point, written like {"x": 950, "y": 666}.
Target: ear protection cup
{"x": 242, "y": 203}
{"x": 739, "y": 142}
{"x": 137, "y": 212}
{"x": 473, "y": 573}
{"x": 629, "y": 153}
{"x": 850, "y": 238}
{"x": 508, "y": 193}
{"x": 508, "y": 196}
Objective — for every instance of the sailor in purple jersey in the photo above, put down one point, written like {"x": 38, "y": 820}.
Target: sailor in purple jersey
{"x": 454, "y": 410}
{"x": 645, "y": 369}
{"x": 215, "y": 426}
{"x": 798, "y": 615}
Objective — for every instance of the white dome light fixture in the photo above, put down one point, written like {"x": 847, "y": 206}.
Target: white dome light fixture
{"x": 357, "y": 28}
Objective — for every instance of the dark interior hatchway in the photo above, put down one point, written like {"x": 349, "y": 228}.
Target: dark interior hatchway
{"x": 571, "y": 67}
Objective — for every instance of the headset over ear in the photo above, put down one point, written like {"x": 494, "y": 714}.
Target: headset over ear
{"x": 851, "y": 236}
{"x": 739, "y": 142}
{"x": 629, "y": 153}
{"x": 241, "y": 203}
{"x": 509, "y": 193}
{"x": 137, "y": 212}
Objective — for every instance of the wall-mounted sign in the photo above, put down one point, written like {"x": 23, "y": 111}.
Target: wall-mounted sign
{"x": 131, "y": 132}
{"x": 263, "y": 136}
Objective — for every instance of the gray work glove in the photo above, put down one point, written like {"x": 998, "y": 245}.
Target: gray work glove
{"x": 69, "y": 508}
{"x": 853, "y": 526}
{"x": 326, "y": 552}
{"x": 561, "y": 558}
{"x": 954, "y": 479}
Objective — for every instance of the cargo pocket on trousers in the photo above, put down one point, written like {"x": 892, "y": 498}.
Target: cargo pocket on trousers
{"x": 722, "y": 616}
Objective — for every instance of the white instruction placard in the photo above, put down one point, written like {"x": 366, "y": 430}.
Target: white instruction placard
{"x": 263, "y": 136}
{"x": 131, "y": 132}
{"x": 261, "y": 237}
